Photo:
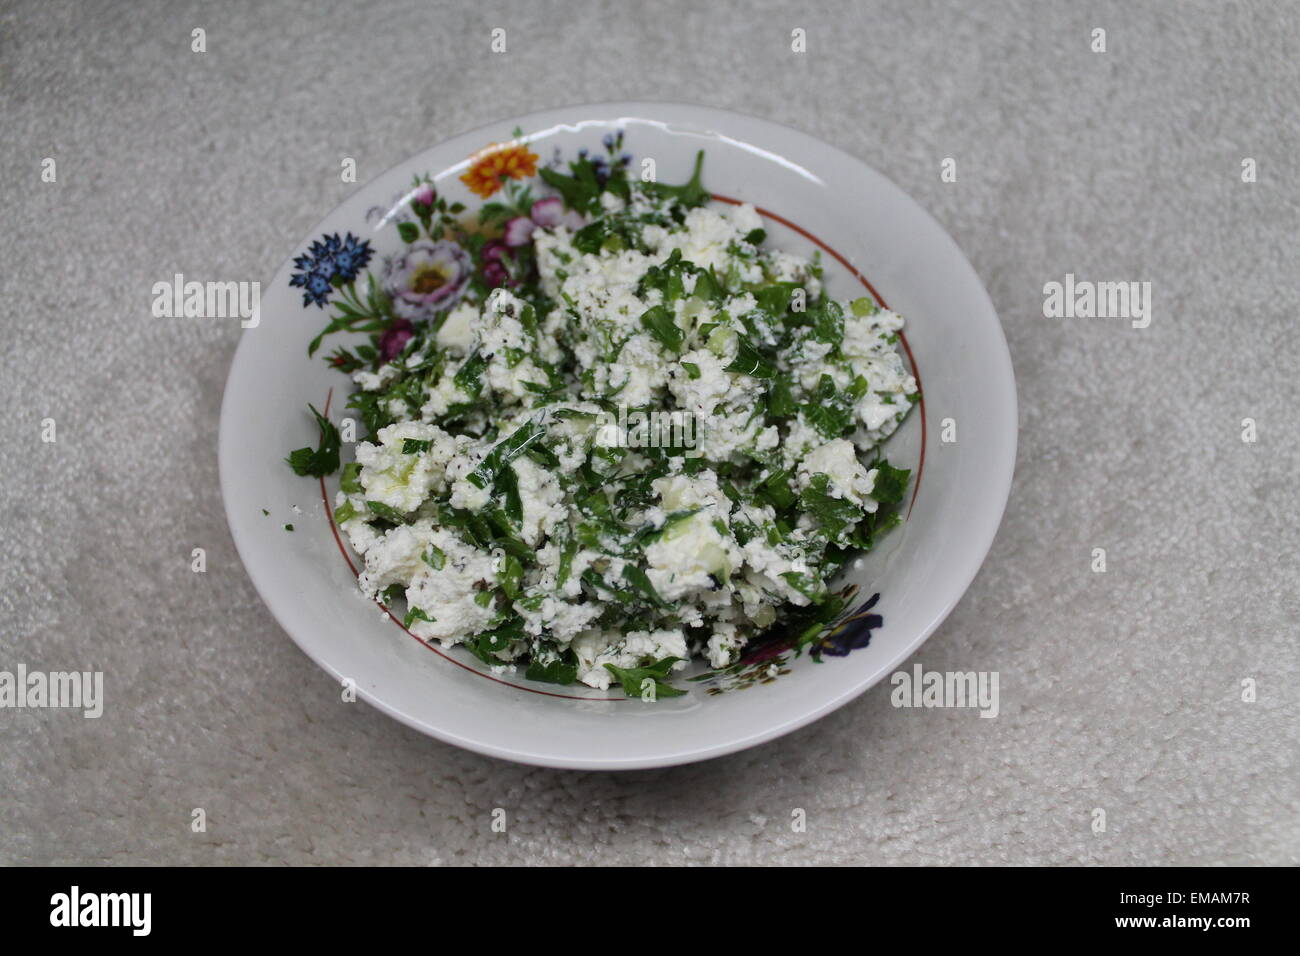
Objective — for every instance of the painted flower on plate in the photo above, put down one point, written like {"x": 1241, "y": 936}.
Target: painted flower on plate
{"x": 493, "y": 258}
{"x": 329, "y": 258}
{"x": 854, "y": 632}
{"x": 427, "y": 277}
{"x": 424, "y": 195}
{"x": 490, "y": 166}
{"x": 544, "y": 213}
{"x": 393, "y": 340}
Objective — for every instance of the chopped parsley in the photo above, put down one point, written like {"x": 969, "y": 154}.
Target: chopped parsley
{"x": 324, "y": 459}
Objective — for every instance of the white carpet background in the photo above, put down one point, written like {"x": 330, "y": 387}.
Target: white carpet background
{"x": 1119, "y": 690}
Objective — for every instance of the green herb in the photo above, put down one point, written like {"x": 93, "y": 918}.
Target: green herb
{"x": 780, "y": 398}
{"x": 650, "y": 534}
{"x": 469, "y": 377}
{"x": 827, "y": 320}
{"x": 528, "y": 319}
{"x": 416, "y": 446}
{"x": 669, "y": 278}
{"x": 344, "y": 512}
{"x": 511, "y": 577}
{"x": 416, "y": 614}
{"x": 387, "y": 512}
{"x": 590, "y": 238}
{"x": 890, "y": 484}
{"x": 659, "y": 321}
{"x": 873, "y": 525}
{"x": 504, "y": 452}
{"x": 708, "y": 287}
{"x": 836, "y": 517}
{"x": 749, "y": 361}
{"x": 322, "y": 461}
{"x": 508, "y": 481}
{"x": 806, "y": 584}
{"x": 591, "y": 578}
{"x": 689, "y": 194}
{"x": 487, "y": 645}
{"x": 566, "y": 561}
{"x": 774, "y": 299}
{"x": 776, "y": 489}
{"x": 638, "y": 579}
{"x": 828, "y": 412}
{"x": 350, "y": 480}
{"x": 374, "y": 413}
{"x": 580, "y": 190}
{"x": 562, "y": 670}
{"x": 633, "y": 678}
{"x": 288, "y": 527}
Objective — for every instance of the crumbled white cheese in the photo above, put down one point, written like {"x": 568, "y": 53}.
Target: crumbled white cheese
{"x": 457, "y": 332}
{"x": 849, "y": 478}
{"x": 403, "y": 481}
{"x": 595, "y": 649}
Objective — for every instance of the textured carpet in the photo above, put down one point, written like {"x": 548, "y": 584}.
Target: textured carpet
{"x": 1120, "y": 691}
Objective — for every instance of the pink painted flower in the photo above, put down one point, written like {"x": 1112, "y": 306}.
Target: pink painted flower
{"x": 544, "y": 214}
{"x": 519, "y": 232}
{"x": 494, "y": 270}
{"x": 547, "y": 212}
{"x": 427, "y": 278}
{"x": 394, "y": 339}
{"x": 424, "y": 195}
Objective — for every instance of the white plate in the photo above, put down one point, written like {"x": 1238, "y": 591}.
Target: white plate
{"x": 920, "y": 569}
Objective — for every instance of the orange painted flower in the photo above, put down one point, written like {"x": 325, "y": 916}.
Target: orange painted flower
{"x": 494, "y": 163}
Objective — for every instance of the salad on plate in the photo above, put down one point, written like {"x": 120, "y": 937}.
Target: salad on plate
{"x": 607, "y": 428}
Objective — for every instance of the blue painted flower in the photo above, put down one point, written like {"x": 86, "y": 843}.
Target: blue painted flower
{"x": 327, "y": 258}
{"x": 316, "y": 288}
{"x": 605, "y": 166}
{"x": 351, "y": 257}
